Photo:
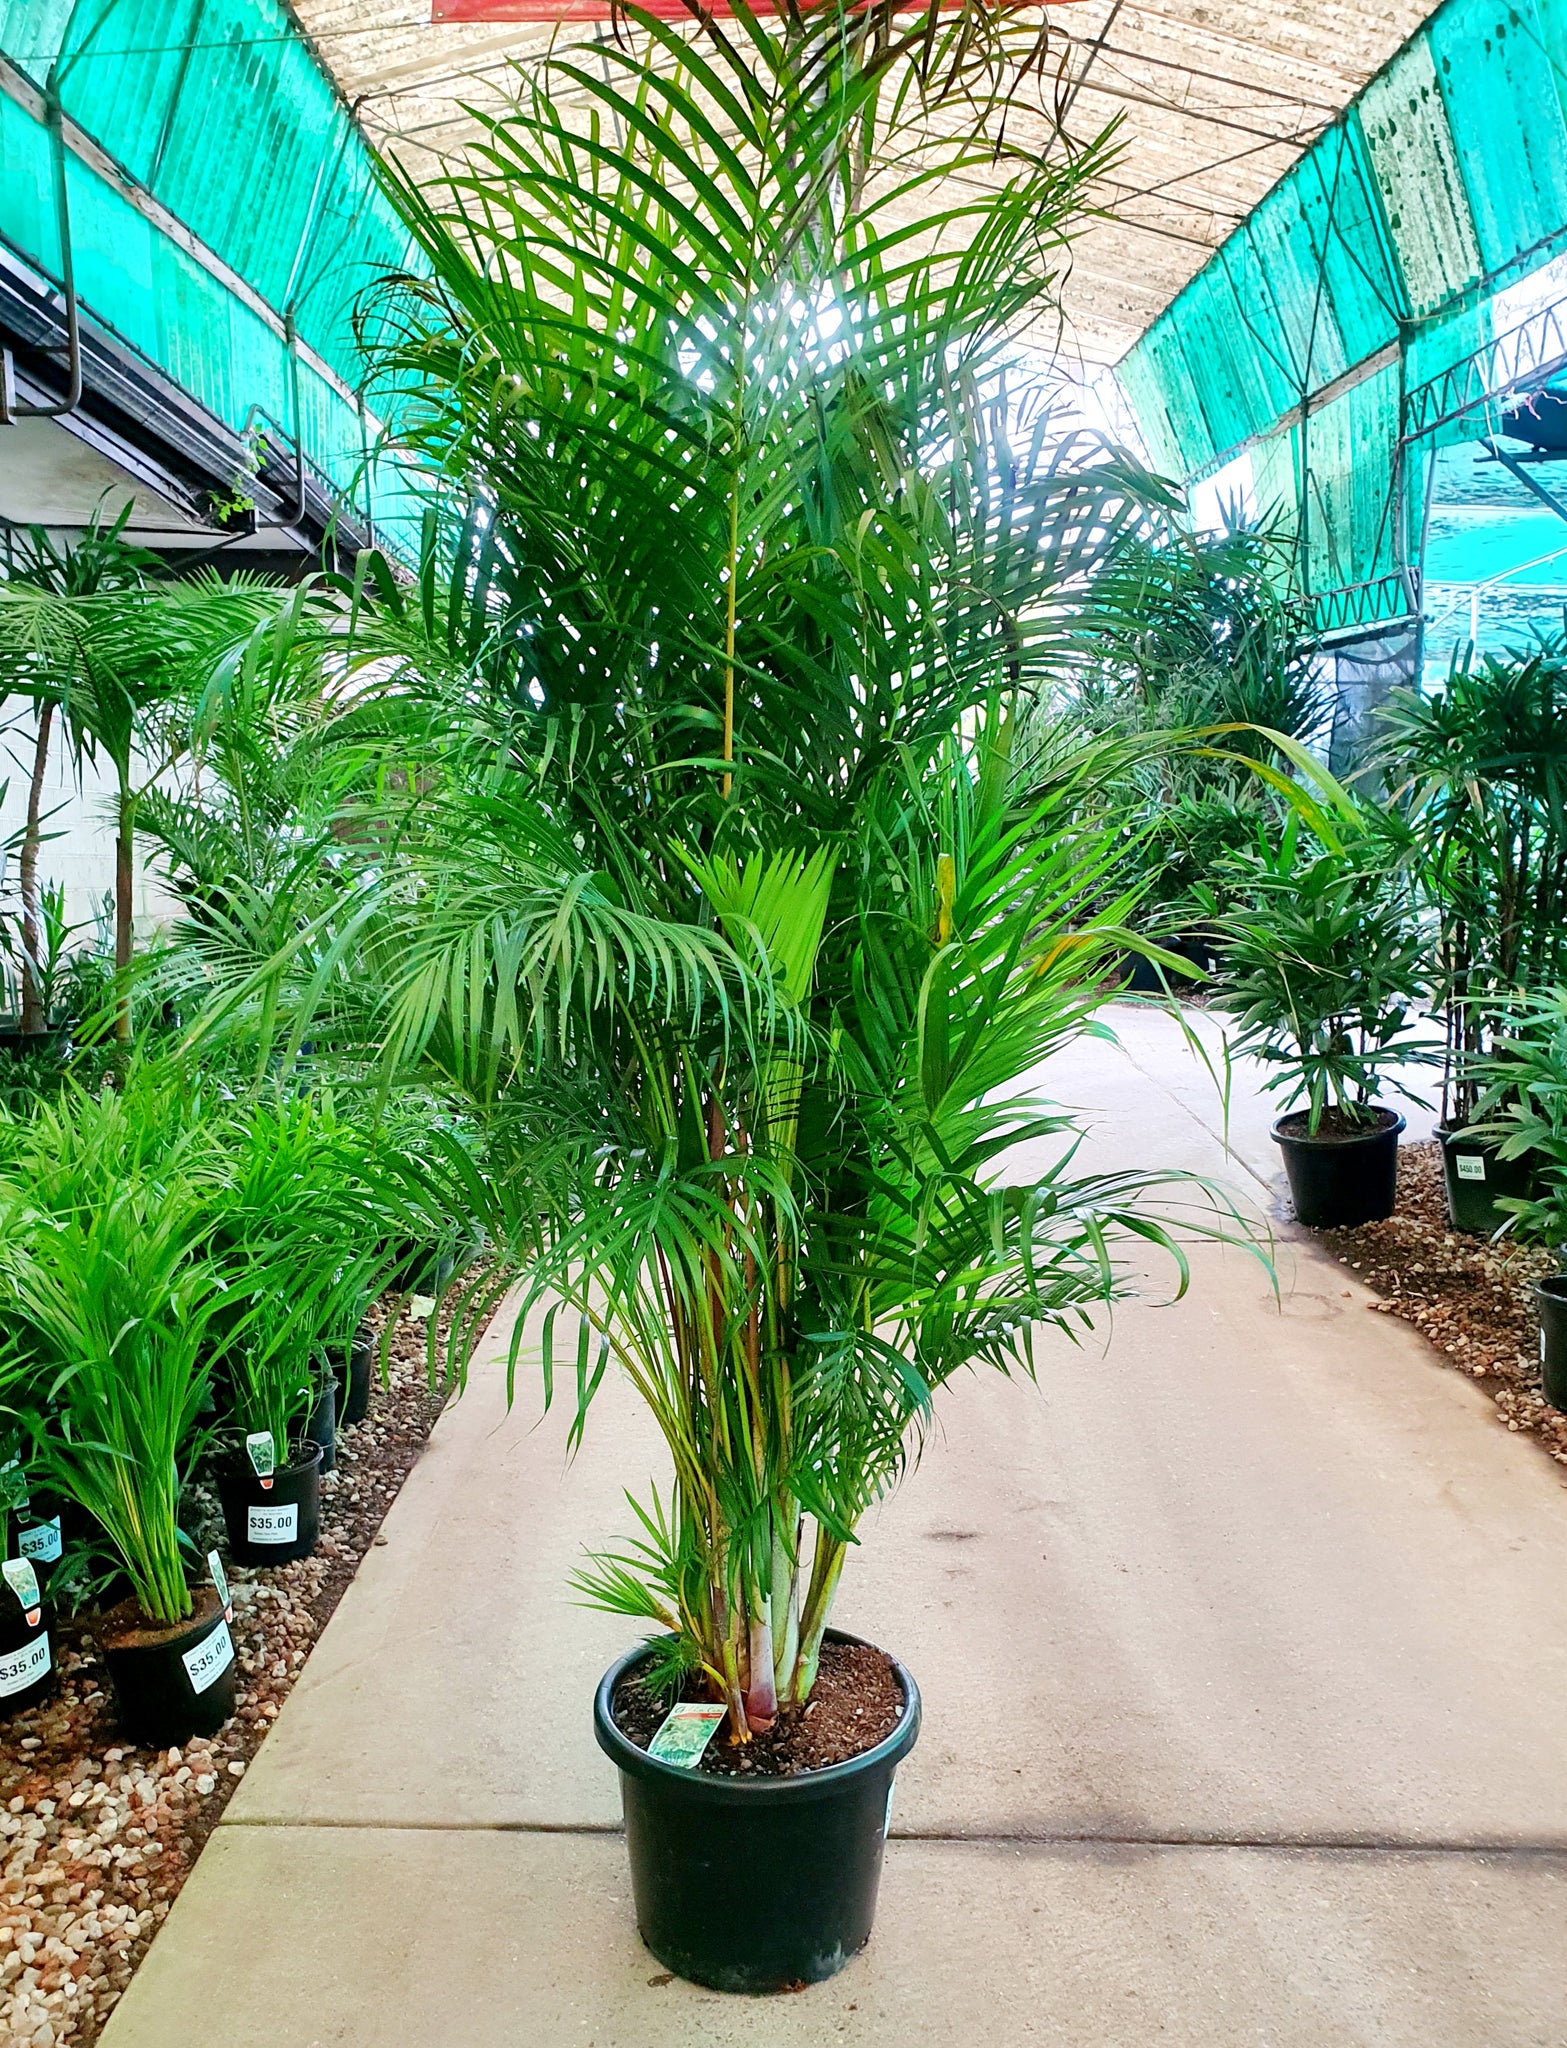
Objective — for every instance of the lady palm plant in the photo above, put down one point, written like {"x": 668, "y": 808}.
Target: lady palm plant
{"x": 704, "y": 855}
{"x": 1482, "y": 767}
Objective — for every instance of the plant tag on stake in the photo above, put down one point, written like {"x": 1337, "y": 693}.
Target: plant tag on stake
{"x": 263, "y": 1456}
{"x": 220, "y": 1583}
{"x": 688, "y": 1728}
{"x": 23, "y": 1581}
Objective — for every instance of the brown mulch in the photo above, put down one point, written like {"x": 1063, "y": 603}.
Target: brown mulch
{"x": 856, "y": 1703}
{"x": 97, "y": 1836}
{"x": 1469, "y": 1297}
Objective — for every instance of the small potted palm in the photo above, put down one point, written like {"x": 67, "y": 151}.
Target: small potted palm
{"x": 300, "y": 1238}
{"x": 1322, "y": 968}
{"x": 108, "y": 1309}
{"x": 26, "y": 1650}
{"x": 1521, "y": 1114}
{"x": 1481, "y": 768}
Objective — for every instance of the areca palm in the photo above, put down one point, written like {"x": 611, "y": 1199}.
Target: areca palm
{"x": 704, "y": 852}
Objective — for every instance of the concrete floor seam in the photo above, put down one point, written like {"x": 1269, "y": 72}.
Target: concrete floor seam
{"x": 1305, "y": 1845}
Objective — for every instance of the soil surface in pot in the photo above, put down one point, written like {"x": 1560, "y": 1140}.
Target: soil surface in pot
{"x": 1471, "y": 1299}
{"x": 97, "y": 1836}
{"x": 126, "y": 1628}
{"x": 855, "y": 1704}
{"x": 1335, "y": 1128}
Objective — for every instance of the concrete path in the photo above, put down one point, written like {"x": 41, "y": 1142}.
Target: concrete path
{"x": 1243, "y": 1639}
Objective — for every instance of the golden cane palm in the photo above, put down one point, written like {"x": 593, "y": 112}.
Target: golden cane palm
{"x": 718, "y": 878}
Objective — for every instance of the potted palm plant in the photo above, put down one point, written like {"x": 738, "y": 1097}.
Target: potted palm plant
{"x": 1322, "y": 965}
{"x": 1482, "y": 767}
{"x": 26, "y": 1651}
{"x": 301, "y": 1235}
{"x": 108, "y": 1303}
{"x": 1521, "y": 1114}
{"x": 726, "y": 889}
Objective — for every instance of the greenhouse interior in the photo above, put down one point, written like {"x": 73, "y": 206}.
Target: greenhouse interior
{"x": 783, "y": 1023}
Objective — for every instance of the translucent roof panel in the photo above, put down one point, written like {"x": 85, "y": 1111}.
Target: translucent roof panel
{"x": 1216, "y": 99}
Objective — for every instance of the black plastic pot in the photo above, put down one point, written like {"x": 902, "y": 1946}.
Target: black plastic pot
{"x": 361, "y": 1370}
{"x": 27, "y": 1670}
{"x": 1550, "y": 1298}
{"x": 1336, "y": 1183}
{"x": 321, "y": 1429}
{"x": 1475, "y": 1177}
{"x": 171, "y": 1683}
{"x": 755, "y": 1884}
{"x": 271, "y": 1524}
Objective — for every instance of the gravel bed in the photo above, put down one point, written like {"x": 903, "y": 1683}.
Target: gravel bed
{"x": 96, "y": 1836}
{"x": 1469, "y": 1297}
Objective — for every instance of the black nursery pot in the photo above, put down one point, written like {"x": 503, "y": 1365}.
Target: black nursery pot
{"x": 171, "y": 1683}
{"x": 271, "y": 1524}
{"x": 321, "y": 1429}
{"x": 27, "y": 1670}
{"x": 1550, "y": 1298}
{"x": 1336, "y": 1183}
{"x": 1475, "y": 1177}
{"x": 356, "y": 1395}
{"x": 755, "y": 1884}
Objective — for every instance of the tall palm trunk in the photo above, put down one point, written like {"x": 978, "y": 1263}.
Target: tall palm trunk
{"x": 33, "y": 1018}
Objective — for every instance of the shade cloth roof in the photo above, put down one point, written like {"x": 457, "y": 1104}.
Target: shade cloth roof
{"x": 1217, "y": 99}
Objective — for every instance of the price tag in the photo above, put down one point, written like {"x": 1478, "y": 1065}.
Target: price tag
{"x": 42, "y": 1543}
{"x": 262, "y": 1452}
{"x": 688, "y": 1728}
{"x": 220, "y": 1583}
{"x": 212, "y": 1656}
{"x": 1471, "y": 1166}
{"x": 24, "y": 1667}
{"x": 273, "y": 1524}
{"x": 23, "y": 1581}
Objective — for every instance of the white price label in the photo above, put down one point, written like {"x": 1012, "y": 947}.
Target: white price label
{"x": 42, "y": 1543}
{"x": 1471, "y": 1166}
{"x": 24, "y": 1667}
{"x": 274, "y": 1524}
{"x": 211, "y": 1657}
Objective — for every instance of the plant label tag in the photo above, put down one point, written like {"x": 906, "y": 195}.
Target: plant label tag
{"x": 273, "y": 1524}
{"x": 212, "y": 1656}
{"x": 262, "y": 1453}
{"x": 24, "y": 1667}
{"x": 688, "y": 1728}
{"x": 42, "y": 1543}
{"x": 13, "y": 1486}
{"x": 23, "y": 1581}
{"x": 1471, "y": 1166}
{"x": 220, "y": 1583}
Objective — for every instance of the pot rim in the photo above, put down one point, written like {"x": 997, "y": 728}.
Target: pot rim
{"x": 235, "y": 1464}
{"x": 1553, "y": 1287}
{"x": 1395, "y": 1129}
{"x": 636, "y": 1763}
